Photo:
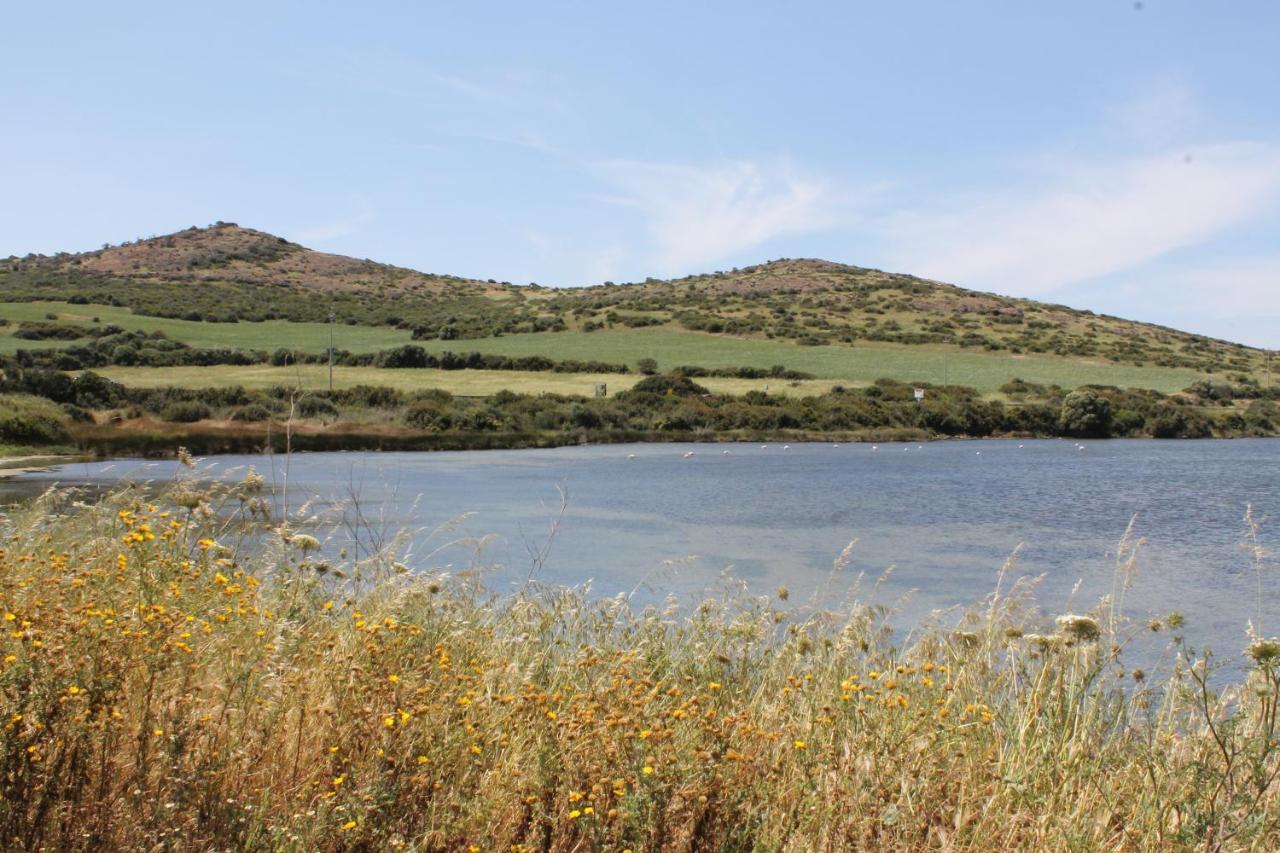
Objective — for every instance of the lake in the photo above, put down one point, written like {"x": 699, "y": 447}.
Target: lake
{"x": 943, "y": 515}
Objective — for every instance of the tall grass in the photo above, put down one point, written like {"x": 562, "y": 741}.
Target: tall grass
{"x": 168, "y": 683}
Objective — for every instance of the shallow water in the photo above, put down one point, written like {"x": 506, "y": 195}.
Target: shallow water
{"x": 945, "y": 516}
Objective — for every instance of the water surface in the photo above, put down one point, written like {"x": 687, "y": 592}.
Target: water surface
{"x": 944, "y": 516}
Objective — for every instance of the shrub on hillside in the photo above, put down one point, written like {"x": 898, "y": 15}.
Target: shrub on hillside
{"x": 185, "y": 412}
{"x": 25, "y": 419}
{"x": 673, "y": 385}
{"x": 1085, "y": 414}
{"x": 316, "y": 407}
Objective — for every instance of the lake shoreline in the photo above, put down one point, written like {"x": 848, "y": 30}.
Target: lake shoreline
{"x": 101, "y": 442}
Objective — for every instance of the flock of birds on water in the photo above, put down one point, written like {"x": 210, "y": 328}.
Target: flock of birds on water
{"x": 689, "y": 454}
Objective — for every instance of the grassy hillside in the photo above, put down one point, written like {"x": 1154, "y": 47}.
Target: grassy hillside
{"x": 669, "y": 347}
{"x": 833, "y": 320}
{"x": 270, "y": 334}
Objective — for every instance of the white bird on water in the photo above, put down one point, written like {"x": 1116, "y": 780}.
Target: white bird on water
{"x": 873, "y": 447}
{"x": 631, "y": 456}
{"x": 786, "y": 447}
{"x": 725, "y": 452}
{"x": 688, "y": 454}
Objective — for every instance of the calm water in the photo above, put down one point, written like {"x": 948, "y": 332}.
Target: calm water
{"x": 945, "y": 516}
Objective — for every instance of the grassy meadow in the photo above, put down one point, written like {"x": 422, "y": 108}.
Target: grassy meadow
{"x": 466, "y": 383}
{"x": 670, "y": 347}
{"x": 169, "y": 679}
{"x": 268, "y": 335}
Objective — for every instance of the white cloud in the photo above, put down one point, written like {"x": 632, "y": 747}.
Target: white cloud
{"x": 697, "y": 215}
{"x": 1087, "y": 220}
{"x": 1234, "y": 298}
{"x": 335, "y": 229}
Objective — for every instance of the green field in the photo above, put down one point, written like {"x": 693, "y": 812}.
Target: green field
{"x": 857, "y": 364}
{"x": 270, "y": 335}
{"x": 986, "y": 371}
{"x": 467, "y": 383}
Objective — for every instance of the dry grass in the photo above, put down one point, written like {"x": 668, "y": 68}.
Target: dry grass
{"x": 167, "y": 684}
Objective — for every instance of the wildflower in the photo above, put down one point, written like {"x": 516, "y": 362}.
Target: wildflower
{"x": 394, "y": 679}
{"x": 1265, "y": 652}
{"x": 422, "y": 759}
{"x": 799, "y": 744}
{"x": 328, "y": 605}
{"x": 1082, "y": 628}
{"x": 647, "y": 770}
{"x": 304, "y": 543}
{"x": 349, "y": 825}
{"x": 575, "y": 814}
{"x": 1042, "y": 642}
{"x": 715, "y": 685}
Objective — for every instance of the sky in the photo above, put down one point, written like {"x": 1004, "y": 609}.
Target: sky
{"x": 1105, "y": 154}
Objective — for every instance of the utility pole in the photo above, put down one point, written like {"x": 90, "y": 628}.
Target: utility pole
{"x": 332, "y": 318}
{"x": 946, "y": 356}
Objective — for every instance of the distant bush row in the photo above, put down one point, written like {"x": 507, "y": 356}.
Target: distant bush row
{"x": 673, "y": 404}
{"x": 117, "y": 347}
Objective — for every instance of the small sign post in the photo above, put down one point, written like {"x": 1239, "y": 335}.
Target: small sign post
{"x": 919, "y": 394}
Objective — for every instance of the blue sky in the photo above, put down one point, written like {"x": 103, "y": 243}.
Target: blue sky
{"x": 1106, "y": 155}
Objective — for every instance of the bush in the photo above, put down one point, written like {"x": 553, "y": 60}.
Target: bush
{"x": 253, "y": 413}
{"x": 316, "y": 407}
{"x": 1085, "y": 414}
{"x": 677, "y": 386}
{"x": 25, "y": 419}
{"x": 185, "y": 412}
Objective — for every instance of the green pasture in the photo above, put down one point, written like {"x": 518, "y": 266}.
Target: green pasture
{"x": 269, "y": 335}
{"x": 467, "y": 383}
{"x": 986, "y": 371}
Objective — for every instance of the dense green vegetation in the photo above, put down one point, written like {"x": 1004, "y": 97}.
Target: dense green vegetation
{"x": 97, "y": 412}
{"x": 237, "y": 318}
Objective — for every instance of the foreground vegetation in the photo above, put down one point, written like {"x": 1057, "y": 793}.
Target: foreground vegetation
{"x": 191, "y": 671}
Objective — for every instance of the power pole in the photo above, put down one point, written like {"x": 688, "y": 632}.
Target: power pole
{"x": 332, "y": 318}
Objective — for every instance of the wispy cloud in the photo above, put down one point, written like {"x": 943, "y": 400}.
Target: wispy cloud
{"x": 335, "y": 229}
{"x": 1237, "y": 298}
{"x": 696, "y": 215}
{"x": 1082, "y": 220}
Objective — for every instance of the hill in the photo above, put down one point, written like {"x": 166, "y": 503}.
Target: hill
{"x": 226, "y": 273}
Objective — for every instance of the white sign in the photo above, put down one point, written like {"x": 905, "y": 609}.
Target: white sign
{"x": 919, "y": 393}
